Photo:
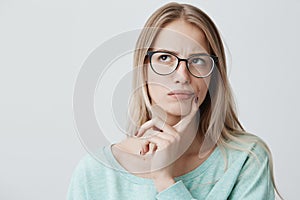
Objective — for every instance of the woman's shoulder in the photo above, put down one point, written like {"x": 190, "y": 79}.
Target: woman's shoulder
{"x": 94, "y": 163}
{"x": 89, "y": 160}
{"x": 91, "y": 175}
{"x": 247, "y": 145}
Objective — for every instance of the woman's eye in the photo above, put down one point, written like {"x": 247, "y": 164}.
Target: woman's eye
{"x": 198, "y": 61}
{"x": 164, "y": 58}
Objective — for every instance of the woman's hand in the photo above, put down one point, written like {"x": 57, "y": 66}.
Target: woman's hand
{"x": 169, "y": 143}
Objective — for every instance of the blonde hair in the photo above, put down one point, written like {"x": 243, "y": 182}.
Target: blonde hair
{"x": 218, "y": 114}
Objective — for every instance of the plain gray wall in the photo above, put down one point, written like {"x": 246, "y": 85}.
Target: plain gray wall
{"x": 44, "y": 43}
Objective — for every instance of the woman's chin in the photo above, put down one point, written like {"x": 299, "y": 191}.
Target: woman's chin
{"x": 178, "y": 111}
{"x": 175, "y": 108}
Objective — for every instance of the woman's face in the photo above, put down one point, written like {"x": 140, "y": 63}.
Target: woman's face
{"x": 175, "y": 92}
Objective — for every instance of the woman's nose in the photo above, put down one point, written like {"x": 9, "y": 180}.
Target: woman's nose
{"x": 182, "y": 73}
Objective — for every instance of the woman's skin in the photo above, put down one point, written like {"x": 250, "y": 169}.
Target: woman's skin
{"x": 172, "y": 154}
{"x": 185, "y": 39}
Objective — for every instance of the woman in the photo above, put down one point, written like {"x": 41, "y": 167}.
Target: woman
{"x": 184, "y": 138}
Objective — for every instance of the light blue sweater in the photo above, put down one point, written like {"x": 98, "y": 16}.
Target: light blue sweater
{"x": 245, "y": 179}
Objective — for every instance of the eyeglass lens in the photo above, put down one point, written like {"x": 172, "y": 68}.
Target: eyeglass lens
{"x": 165, "y": 63}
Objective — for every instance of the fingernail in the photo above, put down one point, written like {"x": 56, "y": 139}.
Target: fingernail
{"x": 141, "y": 152}
{"x": 196, "y": 100}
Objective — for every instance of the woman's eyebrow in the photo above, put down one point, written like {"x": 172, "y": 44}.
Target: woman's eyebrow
{"x": 168, "y": 51}
{"x": 177, "y": 53}
{"x": 196, "y": 54}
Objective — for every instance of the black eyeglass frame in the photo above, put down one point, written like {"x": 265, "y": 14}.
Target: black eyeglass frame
{"x": 213, "y": 57}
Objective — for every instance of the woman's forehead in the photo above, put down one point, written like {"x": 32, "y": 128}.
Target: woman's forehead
{"x": 182, "y": 37}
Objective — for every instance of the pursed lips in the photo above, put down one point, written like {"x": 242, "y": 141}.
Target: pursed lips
{"x": 181, "y": 94}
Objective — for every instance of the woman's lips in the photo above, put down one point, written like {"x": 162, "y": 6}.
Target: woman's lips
{"x": 181, "y": 95}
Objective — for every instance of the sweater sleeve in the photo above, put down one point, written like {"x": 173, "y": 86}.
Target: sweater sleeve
{"x": 77, "y": 188}
{"x": 254, "y": 181}
{"x": 177, "y": 191}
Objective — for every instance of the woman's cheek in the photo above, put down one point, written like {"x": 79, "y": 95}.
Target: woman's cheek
{"x": 155, "y": 93}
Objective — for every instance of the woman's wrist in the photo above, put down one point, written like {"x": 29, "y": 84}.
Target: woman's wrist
{"x": 163, "y": 183}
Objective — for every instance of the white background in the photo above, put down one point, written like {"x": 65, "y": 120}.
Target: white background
{"x": 44, "y": 43}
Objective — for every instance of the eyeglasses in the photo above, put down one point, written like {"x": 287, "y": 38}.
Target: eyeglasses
{"x": 199, "y": 65}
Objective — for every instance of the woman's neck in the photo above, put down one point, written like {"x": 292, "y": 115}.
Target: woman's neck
{"x": 173, "y": 120}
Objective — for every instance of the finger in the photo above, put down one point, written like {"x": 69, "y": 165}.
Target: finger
{"x": 166, "y": 136}
{"x": 147, "y": 125}
{"x": 154, "y": 142}
{"x": 155, "y": 123}
{"x": 160, "y": 142}
{"x": 185, "y": 121}
{"x": 152, "y": 147}
{"x": 166, "y": 128}
{"x": 145, "y": 147}
{"x": 146, "y": 144}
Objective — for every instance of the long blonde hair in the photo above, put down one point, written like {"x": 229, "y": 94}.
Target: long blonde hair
{"x": 218, "y": 113}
